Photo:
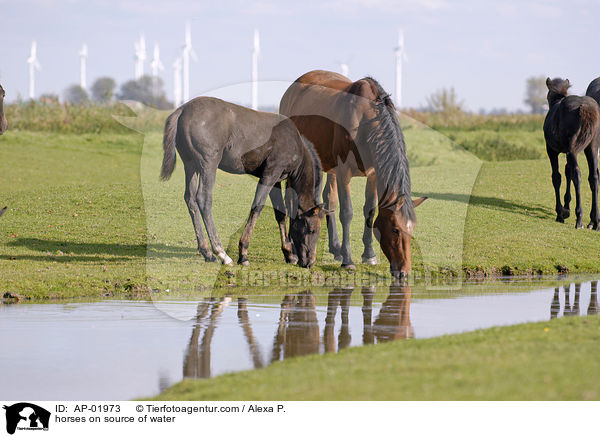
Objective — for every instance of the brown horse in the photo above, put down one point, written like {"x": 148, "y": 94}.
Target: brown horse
{"x": 3, "y": 126}
{"x": 356, "y": 132}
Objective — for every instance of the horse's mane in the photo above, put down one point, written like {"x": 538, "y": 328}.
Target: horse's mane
{"x": 317, "y": 168}
{"x": 388, "y": 143}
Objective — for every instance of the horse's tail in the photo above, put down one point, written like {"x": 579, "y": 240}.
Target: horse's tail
{"x": 169, "y": 158}
{"x": 588, "y": 125}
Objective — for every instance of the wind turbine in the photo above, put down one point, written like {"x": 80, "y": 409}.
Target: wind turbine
{"x": 255, "y": 53}
{"x": 177, "y": 65}
{"x": 140, "y": 56}
{"x": 188, "y": 51}
{"x": 156, "y": 64}
{"x": 33, "y": 65}
{"x": 345, "y": 70}
{"x": 400, "y": 57}
{"x": 83, "y": 53}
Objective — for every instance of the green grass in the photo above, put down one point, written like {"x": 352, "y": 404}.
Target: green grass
{"x": 88, "y": 216}
{"x": 555, "y": 360}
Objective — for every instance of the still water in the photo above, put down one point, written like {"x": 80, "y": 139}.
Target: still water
{"x": 117, "y": 349}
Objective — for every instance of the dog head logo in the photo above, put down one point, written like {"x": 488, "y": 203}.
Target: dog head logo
{"x": 26, "y": 416}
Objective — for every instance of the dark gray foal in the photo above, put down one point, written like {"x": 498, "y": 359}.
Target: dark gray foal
{"x": 211, "y": 134}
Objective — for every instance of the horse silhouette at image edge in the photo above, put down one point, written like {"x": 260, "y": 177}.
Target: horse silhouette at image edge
{"x": 572, "y": 126}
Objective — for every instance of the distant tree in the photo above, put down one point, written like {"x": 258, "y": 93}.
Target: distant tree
{"x": 444, "y": 101}
{"x": 103, "y": 89}
{"x": 535, "y": 94}
{"x": 76, "y": 95}
{"x": 147, "y": 90}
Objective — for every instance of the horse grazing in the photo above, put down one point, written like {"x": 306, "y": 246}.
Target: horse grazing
{"x": 3, "y": 126}
{"x": 210, "y": 134}
{"x": 572, "y": 126}
{"x": 355, "y": 129}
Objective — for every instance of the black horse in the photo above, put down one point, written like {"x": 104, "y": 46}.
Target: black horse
{"x": 3, "y": 126}
{"x": 210, "y": 134}
{"x": 572, "y": 126}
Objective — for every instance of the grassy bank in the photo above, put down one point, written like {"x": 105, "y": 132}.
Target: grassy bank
{"x": 87, "y": 216}
{"x": 554, "y": 360}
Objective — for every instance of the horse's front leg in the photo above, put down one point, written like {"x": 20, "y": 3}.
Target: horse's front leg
{"x": 262, "y": 191}
{"x": 591, "y": 154}
{"x": 576, "y": 177}
{"x": 330, "y": 198}
{"x": 368, "y": 256}
{"x": 343, "y": 178}
{"x": 280, "y": 216}
{"x": 561, "y": 213}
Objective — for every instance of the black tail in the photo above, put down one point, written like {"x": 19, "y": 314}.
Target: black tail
{"x": 589, "y": 121}
{"x": 169, "y": 158}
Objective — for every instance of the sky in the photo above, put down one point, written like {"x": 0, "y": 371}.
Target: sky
{"x": 484, "y": 49}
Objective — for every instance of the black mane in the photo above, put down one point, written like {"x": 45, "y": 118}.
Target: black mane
{"x": 390, "y": 151}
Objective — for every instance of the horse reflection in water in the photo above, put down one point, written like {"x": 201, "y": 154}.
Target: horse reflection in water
{"x": 297, "y": 331}
{"x": 574, "y": 310}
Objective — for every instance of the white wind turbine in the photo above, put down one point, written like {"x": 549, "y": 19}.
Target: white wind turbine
{"x": 33, "y": 65}
{"x": 156, "y": 64}
{"x": 83, "y": 54}
{"x": 345, "y": 70}
{"x": 400, "y": 57}
{"x": 188, "y": 51}
{"x": 177, "y": 65}
{"x": 255, "y": 53}
{"x": 140, "y": 56}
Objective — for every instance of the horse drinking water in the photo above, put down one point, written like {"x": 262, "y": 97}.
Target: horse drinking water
{"x": 211, "y": 134}
{"x": 572, "y": 126}
{"x": 355, "y": 129}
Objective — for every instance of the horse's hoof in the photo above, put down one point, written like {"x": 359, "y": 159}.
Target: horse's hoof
{"x": 244, "y": 262}
{"x": 593, "y": 226}
{"x": 372, "y": 261}
{"x": 566, "y": 213}
{"x": 560, "y": 219}
{"x": 350, "y": 266}
{"x": 225, "y": 259}
{"x": 210, "y": 259}
{"x": 579, "y": 225}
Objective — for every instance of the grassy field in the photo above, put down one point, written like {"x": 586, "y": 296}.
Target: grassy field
{"x": 87, "y": 215}
{"x": 555, "y": 360}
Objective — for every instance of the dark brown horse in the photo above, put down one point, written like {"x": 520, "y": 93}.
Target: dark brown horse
{"x": 571, "y": 126}
{"x": 211, "y": 134}
{"x": 355, "y": 129}
{"x": 3, "y": 126}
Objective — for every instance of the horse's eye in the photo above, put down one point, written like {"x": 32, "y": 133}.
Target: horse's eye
{"x": 396, "y": 231}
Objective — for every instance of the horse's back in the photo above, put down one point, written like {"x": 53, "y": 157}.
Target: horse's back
{"x": 593, "y": 90}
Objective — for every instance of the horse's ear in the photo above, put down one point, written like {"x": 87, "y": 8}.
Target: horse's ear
{"x": 417, "y": 202}
{"x": 548, "y": 82}
{"x": 568, "y": 83}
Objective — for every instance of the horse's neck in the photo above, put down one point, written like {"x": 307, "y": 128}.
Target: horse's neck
{"x": 302, "y": 181}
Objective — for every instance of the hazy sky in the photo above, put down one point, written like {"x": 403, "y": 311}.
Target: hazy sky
{"x": 485, "y": 49}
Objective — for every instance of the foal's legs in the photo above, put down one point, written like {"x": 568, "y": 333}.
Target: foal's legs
{"x": 561, "y": 213}
{"x": 591, "y": 154}
{"x": 330, "y": 198}
{"x": 191, "y": 190}
{"x": 343, "y": 176}
{"x": 576, "y": 177}
{"x": 280, "y": 215}
{"x": 265, "y": 184}
{"x": 204, "y": 199}
{"x": 368, "y": 256}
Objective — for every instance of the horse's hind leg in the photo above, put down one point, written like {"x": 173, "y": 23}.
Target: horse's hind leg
{"x": 260, "y": 197}
{"x": 330, "y": 198}
{"x": 591, "y": 154}
{"x": 576, "y": 177}
{"x": 280, "y": 215}
{"x": 191, "y": 190}
{"x": 346, "y": 213}
{"x": 561, "y": 213}
{"x": 204, "y": 199}
{"x": 368, "y": 256}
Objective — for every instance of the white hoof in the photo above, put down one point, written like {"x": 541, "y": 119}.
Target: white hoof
{"x": 225, "y": 259}
{"x": 370, "y": 261}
